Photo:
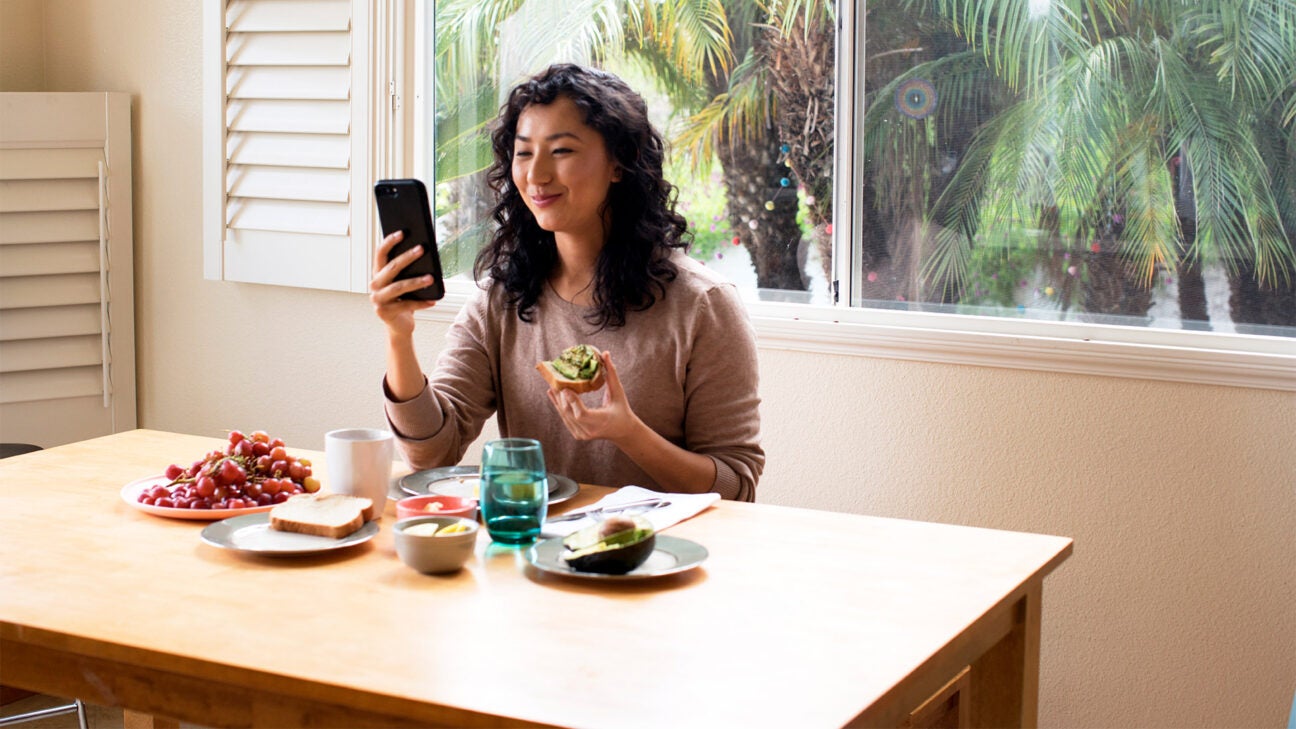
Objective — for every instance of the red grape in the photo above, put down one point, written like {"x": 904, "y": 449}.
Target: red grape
{"x": 231, "y": 473}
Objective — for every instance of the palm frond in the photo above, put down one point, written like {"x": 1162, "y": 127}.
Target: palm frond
{"x": 693, "y": 34}
{"x": 1019, "y": 44}
{"x": 742, "y": 113}
{"x": 1237, "y": 216}
{"x": 1251, "y": 44}
{"x": 1144, "y": 183}
{"x": 789, "y": 15}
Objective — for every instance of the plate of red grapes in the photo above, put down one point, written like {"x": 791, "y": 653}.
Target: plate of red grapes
{"x": 250, "y": 474}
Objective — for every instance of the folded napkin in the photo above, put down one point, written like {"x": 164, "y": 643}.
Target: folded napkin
{"x": 682, "y": 506}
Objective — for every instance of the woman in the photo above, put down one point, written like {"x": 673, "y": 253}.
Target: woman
{"x": 588, "y": 249}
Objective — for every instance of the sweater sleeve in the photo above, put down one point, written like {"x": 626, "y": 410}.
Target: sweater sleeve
{"x": 722, "y": 415}
{"x": 435, "y": 427}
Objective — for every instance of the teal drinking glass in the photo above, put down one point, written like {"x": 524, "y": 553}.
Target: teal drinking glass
{"x": 514, "y": 490}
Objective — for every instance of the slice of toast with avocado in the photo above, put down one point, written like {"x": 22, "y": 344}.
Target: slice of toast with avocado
{"x": 578, "y": 368}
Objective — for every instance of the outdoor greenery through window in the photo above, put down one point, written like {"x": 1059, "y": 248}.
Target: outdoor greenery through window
{"x": 1110, "y": 161}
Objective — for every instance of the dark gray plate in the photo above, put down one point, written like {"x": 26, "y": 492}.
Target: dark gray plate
{"x": 670, "y": 555}
{"x": 252, "y": 534}
{"x": 460, "y": 481}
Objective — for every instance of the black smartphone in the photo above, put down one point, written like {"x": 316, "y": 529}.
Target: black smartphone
{"x": 403, "y": 205}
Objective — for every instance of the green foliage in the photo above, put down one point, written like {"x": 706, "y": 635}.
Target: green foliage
{"x": 704, "y": 204}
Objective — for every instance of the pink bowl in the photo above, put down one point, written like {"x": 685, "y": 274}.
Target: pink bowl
{"x": 440, "y": 505}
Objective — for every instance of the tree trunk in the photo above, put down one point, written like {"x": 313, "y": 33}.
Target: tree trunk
{"x": 1192, "y": 297}
{"x": 1113, "y": 288}
{"x": 1251, "y": 302}
{"x": 751, "y": 173}
{"x": 800, "y": 67}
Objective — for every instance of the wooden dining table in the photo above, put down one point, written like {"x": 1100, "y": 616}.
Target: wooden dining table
{"x": 797, "y": 617}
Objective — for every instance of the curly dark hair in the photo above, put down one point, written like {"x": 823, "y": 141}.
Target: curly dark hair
{"x": 634, "y": 265}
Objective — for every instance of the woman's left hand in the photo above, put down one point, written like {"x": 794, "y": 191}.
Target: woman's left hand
{"x": 613, "y": 420}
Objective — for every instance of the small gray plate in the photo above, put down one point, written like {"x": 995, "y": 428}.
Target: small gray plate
{"x": 670, "y": 555}
{"x": 252, "y": 534}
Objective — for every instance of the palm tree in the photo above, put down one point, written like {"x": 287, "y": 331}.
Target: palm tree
{"x": 1134, "y": 137}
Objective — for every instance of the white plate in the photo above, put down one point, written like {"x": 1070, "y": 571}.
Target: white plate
{"x": 462, "y": 481}
{"x": 130, "y": 494}
{"x": 670, "y": 556}
{"x": 252, "y": 533}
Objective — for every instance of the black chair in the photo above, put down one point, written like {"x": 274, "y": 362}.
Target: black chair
{"x": 17, "y": 449}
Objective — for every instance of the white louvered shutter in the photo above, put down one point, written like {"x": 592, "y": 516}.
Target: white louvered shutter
{"x": 67, "y": 344}
{"x": 286, "y": 165}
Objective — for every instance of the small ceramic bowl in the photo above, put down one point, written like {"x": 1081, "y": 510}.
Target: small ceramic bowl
{"x": 434, "y": 554}
{"x": 436, "y": 505}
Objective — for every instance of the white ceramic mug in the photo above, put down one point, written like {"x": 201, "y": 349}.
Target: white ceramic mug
{"x": 360, "y": 463}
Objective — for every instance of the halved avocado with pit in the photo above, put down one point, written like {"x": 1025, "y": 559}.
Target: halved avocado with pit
{"x": 614, "y": 547}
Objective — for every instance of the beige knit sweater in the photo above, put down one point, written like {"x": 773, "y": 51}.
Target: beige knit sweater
{"x": 688, "y": 366}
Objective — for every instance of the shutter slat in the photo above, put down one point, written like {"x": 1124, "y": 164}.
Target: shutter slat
{"x": 288, "y": 49}
{"x": 244, "y": 16}
{"x": 50, "y": 384}
{"x": 290, "y": 150}
{"x": 49, "y": 227}
{"x": 303, "y": 116}
{"x": 49, "y": 258}
{"x": 45, "y": 164}
{"x": 59, "y": 321}
{"x": 289, "y": 259}
{"x": 35, "y": 195}
{"x": 43, "y": 354}
{"x": 289, "y": 183}
{"x": 289, "y": 82}
{"x": 23, "y": 292}
{"x": 289, "y": 216}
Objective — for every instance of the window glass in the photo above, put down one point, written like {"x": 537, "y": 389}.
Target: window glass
{"x": 1095, "y": 161}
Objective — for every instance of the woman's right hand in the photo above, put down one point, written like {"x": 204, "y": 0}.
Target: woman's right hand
{"x": 385, "y": 289}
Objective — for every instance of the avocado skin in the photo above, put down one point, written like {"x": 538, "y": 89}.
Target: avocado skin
{"x": 613, "y": 554}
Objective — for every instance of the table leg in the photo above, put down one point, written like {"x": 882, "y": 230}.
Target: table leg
{"x": 1004, "y": 681}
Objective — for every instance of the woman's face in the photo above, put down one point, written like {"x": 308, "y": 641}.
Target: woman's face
{"x": 563, "y": 170}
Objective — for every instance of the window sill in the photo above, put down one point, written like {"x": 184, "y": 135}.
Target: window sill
{"x": 1263, "y": 362}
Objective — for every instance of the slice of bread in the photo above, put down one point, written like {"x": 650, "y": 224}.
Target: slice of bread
{"x": 559, "y": 381}
{"x": 322, "y": 514}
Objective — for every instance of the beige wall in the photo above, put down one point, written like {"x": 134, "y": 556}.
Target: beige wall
{"x": 1174, "y": 611}
{"x": 22, "y": 52}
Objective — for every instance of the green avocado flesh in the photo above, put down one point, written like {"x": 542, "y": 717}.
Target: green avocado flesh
{"x": 613, "y": 547}
{"x": 578, "y": 363}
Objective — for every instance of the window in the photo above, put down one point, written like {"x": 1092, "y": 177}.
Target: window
{"x": 1075, "y": 186}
